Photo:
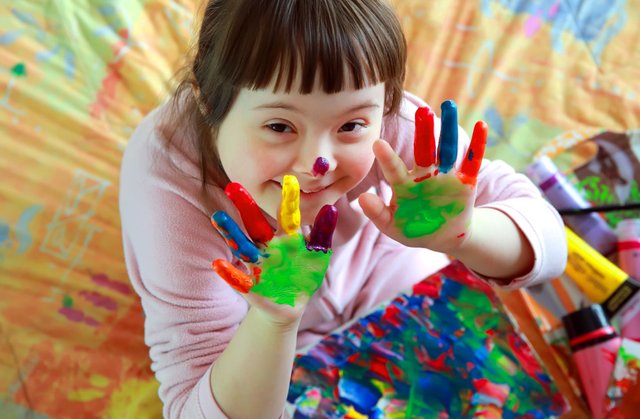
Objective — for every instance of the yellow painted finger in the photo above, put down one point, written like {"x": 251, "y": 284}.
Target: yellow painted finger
{"x": 290, "y": 206}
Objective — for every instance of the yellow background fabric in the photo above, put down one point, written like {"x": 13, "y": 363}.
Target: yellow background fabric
{"x": 76, "y": 76}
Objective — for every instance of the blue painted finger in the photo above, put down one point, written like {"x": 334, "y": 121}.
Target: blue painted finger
{"x": 240, "y": 245}
{"x": 448, "y": 148}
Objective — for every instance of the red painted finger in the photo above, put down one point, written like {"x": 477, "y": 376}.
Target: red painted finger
{"x": 255, "y": 222}
{"x": 424, "y": 140}
{"x": 233, "y": 276}
{"x": 471, "y": 164}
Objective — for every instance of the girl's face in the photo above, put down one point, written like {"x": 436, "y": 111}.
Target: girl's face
{"x": 267, "y": 135}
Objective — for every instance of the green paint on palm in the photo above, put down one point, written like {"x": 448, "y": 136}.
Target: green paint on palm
{"x": 424, "y": 207}
{"x": 291, "y": 270}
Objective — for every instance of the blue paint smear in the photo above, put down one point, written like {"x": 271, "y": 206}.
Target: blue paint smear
{"x": 361, "y": 396}
{"x": 594, "y": 22}
{"x": 25, "y": 239}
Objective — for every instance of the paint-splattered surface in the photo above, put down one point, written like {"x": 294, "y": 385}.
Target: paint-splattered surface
{"x": 446, "y": 349}
{"x": 77, "y": 76}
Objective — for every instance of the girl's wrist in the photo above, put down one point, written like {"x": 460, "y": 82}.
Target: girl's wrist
{"x": 279, "y": 325}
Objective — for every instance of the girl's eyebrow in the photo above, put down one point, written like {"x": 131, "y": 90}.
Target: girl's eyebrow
{"x": 290, "y": 107}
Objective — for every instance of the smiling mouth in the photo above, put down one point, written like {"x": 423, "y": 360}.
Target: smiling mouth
{"x": 306, "y": 191}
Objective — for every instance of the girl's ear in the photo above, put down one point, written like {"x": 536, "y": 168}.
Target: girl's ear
{"x": 195, "y": 89}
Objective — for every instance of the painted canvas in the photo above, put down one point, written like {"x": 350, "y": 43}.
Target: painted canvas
{"x": 447, "y": 349}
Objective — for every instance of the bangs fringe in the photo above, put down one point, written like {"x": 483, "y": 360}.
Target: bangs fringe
{"x": 344, "y": 41}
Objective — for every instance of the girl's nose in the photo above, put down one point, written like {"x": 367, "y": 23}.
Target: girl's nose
{"x": 315, "y": 159}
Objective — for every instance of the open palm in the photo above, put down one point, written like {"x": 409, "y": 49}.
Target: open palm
{"x": 285, "y": 270}
{"x": 432, "y": 203}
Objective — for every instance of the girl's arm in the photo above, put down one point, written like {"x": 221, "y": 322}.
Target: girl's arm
{"x": 502, "y": 256}
{"x": 251, "y": 377}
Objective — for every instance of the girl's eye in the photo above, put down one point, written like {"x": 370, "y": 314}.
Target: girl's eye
{"x": 281, "y": 128}
{"x": 352, "y": 127}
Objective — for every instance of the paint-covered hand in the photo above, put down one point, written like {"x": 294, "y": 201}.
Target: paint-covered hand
{"x": 432, "y": 204}
{"x": 286, "y": 269}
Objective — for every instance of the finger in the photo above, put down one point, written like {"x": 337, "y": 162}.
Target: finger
{"x": 240, "y": 245}
{"x": 424, "y": 140}
{"x": 448, "y": 147}
{"x": 323, "y": 228}
{"x": 471, "y": 163}
{"x": 290, "y": 206}
{"x": 233, "y": 276}
{"x": 375, "y": 208}
{"x": 255, "y": 222}
{"x": 392, "y": 166}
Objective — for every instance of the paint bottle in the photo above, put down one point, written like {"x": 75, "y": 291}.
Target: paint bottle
{"x": 563, "y": 195}
{"x": 594, "y": 344}
{"x": 628, "y": 232}
{"x": 602, "y": 281}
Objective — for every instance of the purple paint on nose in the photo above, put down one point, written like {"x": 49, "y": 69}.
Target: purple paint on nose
{"x": 321, "y": 166}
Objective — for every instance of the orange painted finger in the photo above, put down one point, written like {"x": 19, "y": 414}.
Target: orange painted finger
{"x": 424, "y": 140}
{"x": 473, "y": 160}
{"x": 233, "y": 276}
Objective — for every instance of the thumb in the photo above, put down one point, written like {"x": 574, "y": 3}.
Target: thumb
{"x": 376, "y": 210}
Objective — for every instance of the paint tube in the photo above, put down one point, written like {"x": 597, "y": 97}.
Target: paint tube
{"x": 628, "y": 232}
{"x": 601, "y": 280}
{"x": 594, "y": 344}
{"x": 563, "y": 195}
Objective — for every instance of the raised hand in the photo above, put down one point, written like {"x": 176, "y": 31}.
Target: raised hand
{"x": 432, "y": 204}
{"x": 284, "y": 269}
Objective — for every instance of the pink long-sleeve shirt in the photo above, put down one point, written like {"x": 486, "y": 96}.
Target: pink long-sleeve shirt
{"x": 192, "y": 314}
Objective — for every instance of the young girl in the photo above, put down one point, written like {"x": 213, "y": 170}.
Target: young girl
{"x": 286, "y": 90}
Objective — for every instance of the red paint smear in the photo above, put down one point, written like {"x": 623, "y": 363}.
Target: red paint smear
{"x": 379, "y": 366}
{"x": 421, "y": 178}
{"x": 104, "y": 281}
{"x": 256, "y": 273}
{"x": 437, "y": 364}
{"x": 78, "y": 316}
{"x": 526, "y": 359}
{"x": 226, "y": 236}
{"x": 99, "y": 300}
{"x": 431, "y": 289}
{"x": 391, "y": 316}
{"x": 375, "y": 330}
{"x": 461, "y": 235}
{"x": 107, "y": 93}
{"x": 495, "y": 391}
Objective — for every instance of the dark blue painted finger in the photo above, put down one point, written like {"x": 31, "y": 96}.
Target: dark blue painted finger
{"x": 448, "y": 146}
{"x": 240, "y": 245}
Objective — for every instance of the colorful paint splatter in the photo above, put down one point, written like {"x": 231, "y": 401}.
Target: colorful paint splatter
{"x": 447, "y": 349}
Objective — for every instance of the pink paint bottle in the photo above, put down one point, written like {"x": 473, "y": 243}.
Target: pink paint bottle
{"x": 628, "y": 232}
{"x": 594, "y": 343}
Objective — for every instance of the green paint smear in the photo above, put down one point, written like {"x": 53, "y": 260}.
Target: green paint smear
{"x": 291, "y": 270}
{"x": 19, "y": 70}
{"x": 67, "y": 301}
{"x": 424, "y": 207}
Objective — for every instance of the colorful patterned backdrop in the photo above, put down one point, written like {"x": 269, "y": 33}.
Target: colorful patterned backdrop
{"x": 76, "y": 76}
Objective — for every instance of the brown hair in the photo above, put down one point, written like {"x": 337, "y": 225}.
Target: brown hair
{"x": 249, "y": 43}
